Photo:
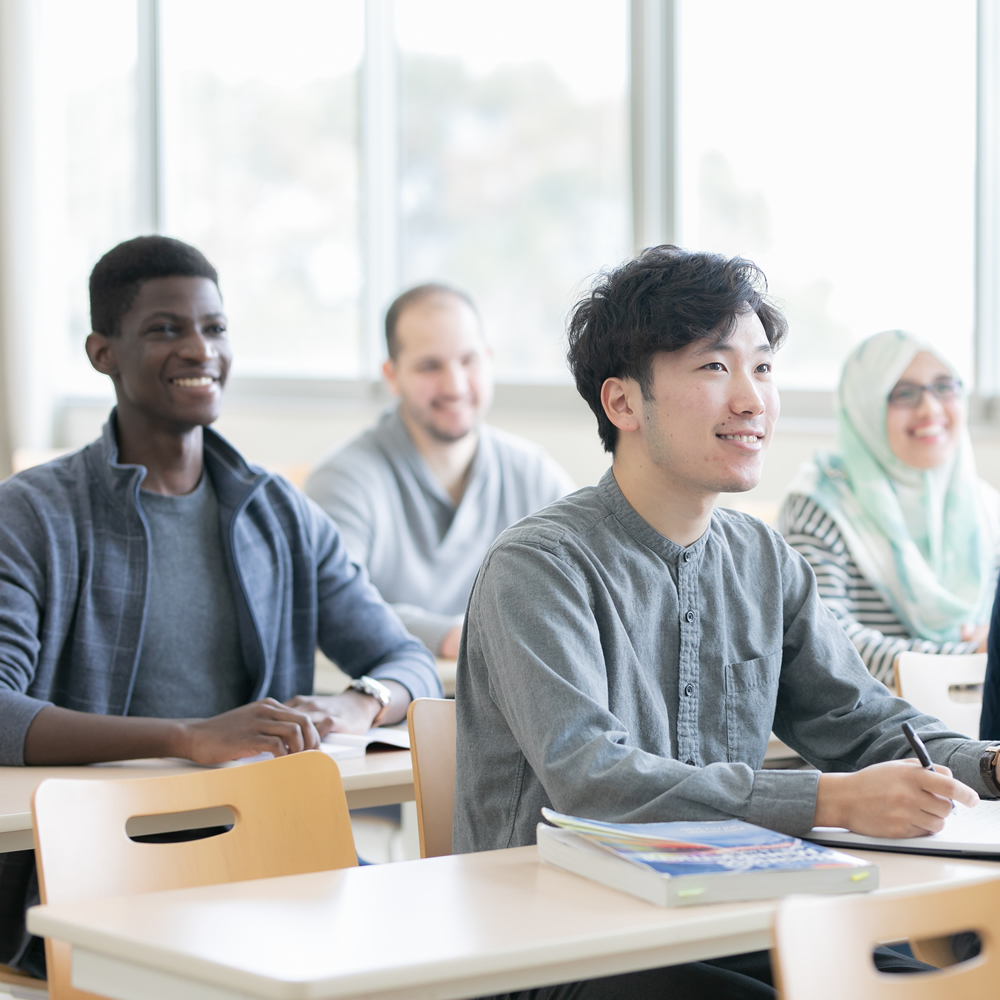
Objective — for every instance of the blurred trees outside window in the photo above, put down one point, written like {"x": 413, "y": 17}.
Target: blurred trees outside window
{"x": 515, "y": 161}
{"x": 832, "y": 144}
{"x": 261, "y": 171}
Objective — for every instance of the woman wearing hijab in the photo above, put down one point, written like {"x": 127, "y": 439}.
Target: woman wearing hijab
{"x": 900, "y": 531}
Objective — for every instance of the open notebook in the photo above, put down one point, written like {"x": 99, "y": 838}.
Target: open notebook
{"x": 974, "y": 831}
{"x": 344, "y": 746}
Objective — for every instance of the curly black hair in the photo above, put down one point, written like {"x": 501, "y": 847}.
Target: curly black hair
{"x": 663, "y": 300}
{"x": 119, "y": 274}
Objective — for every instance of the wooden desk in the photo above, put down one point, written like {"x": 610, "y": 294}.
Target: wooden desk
{"x": 442, "y": 928}
{"x": 379, "y": 778}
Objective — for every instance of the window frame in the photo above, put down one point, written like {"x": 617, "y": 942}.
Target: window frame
{"x": 653, "y": 151}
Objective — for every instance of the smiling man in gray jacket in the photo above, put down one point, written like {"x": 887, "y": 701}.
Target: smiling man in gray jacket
{"x": 159, "y": 596}
{"x": 628, "y": 649}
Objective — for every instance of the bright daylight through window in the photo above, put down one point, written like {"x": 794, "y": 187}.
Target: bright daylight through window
{"x": 261, "y": 165}
{"x": 515, "y": 168}
{"x": 835, "y": 145}
{"x": 84, "y": 195}
{"x": 846, "y": 169}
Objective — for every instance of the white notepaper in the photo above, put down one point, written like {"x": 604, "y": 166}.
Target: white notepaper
{"x": 974, "y": 830}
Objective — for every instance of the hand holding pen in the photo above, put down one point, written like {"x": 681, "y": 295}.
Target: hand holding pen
{"x": 920, "y": 750}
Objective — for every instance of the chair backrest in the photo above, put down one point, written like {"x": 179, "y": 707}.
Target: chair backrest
{"x": 925, "y": 681}
{"x": 290, "y": 817}
{"x": 823, "y": 945}
{"x": 431, "y": 722}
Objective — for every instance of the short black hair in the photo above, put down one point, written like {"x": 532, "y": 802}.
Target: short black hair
{"x": 119, "y": 274}
{"x": 410, "y": 298}
{"x": 663, "y": 300}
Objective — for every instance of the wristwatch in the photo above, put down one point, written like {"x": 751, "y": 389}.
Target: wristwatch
{"x": 987, "y": 769}
{"x": 377, "y": 690}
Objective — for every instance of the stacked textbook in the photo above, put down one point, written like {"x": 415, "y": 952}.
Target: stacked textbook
{"x": 676, "y": 864}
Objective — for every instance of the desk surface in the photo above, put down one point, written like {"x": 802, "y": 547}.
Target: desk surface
{"x": 444, "y": 927}
{"x": 379, "y": 778}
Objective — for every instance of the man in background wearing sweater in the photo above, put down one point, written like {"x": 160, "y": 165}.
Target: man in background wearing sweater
{"x": 421, "y": 496}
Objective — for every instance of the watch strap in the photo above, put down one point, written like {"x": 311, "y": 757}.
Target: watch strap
{"x": 374, "y": 689}
{"x": 987, "y": 769}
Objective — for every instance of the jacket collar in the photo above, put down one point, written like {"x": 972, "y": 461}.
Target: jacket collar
{"x": 232, "y": 476}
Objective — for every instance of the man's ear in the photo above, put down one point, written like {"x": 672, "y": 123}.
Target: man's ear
{"x": 620, "y": 399}
{"x": 389, "y": 374}
{"x": 101, "y": 351}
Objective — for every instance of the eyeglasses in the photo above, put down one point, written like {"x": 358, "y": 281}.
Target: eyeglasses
{"x": 909, "y": 395}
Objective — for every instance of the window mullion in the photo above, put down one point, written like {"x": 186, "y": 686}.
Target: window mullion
{"x": 987, "y": 306}
{"x": 654, "y": 121}
{"x": 149, "y": 119}
{"x": 380, "y": 174}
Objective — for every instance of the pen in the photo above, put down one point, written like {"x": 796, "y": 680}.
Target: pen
{"x": 919, "y": 749}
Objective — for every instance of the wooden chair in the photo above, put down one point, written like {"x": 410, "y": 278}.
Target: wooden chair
{"x": 926, "y": 681}
{"x": 431, "y": 722}
{"x": 290, "y": 817}
{"x": 823, "y": 945}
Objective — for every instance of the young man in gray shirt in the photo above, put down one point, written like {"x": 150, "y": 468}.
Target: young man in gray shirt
{"x": 628, "y": 649}
{"x": 421, "y": 496}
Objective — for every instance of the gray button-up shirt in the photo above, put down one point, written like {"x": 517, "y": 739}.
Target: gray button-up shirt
{"x": 610, "y": 673}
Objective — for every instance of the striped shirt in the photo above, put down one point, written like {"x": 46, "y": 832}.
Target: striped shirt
{"x": 874, "y": 628}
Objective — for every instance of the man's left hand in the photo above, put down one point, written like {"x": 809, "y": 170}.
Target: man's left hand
{"x": 352, "y": 711}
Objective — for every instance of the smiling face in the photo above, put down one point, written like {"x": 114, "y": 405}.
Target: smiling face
{"x": 171, "y": 359}
{"x": 925, "y": 437}
{"x": 442, "y": 370}
{"x": 711, "y": 417}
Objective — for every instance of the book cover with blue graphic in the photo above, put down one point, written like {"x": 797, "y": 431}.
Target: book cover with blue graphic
{"x": 677, "y": 864}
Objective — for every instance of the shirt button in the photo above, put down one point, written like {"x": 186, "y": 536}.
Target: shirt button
{"x": 689, "y": 617}
{"x": 689, "y": 689}
{"x": 687, "y": 557}
{"x": 689, "y": 761}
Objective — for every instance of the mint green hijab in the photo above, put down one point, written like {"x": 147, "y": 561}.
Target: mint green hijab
{"x": 925, "y": 539}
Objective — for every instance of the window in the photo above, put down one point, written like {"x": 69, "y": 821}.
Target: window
{"x": 515, "y": 170}
{"x": 85, "y": 197}
{"x": 514, "y": 166}
{"x": 835, "y": 145}
{"x": 261, "y": 171}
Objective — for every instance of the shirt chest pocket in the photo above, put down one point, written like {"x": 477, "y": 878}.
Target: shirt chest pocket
{"x": 751, "y": 693}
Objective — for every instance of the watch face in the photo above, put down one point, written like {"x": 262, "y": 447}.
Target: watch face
{"x": 373, "y": 689}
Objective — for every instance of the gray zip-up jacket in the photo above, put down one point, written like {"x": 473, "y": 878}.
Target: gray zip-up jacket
{"x": 74, "y": 579}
